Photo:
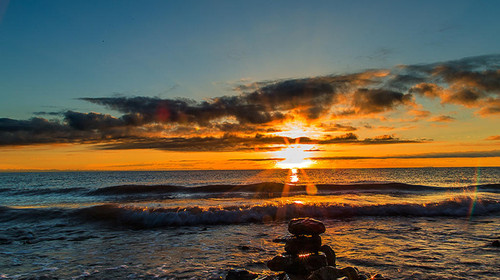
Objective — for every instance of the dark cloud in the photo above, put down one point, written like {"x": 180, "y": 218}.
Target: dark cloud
{"x": 312, "y": 96}
{"x": 468, "y": 154}
{"x": 48, "y": 113}
{"x": 427, "y": 89}
{"x": 367, "y": 101}
{"x": 337, "y": 127}
{"x": 33, "y": 131}
{"x": 113, "y": 133}
{"x": 345, "y": 138}
{"x": 75, "y": 128}
{"x": 267, "y": 103}
{"x": 473, "y": 82}
{"x": 39, "y": 131}
{"x": 237, "y": 143}
{"x": 225, "y": 143}
{"x": 390, "y": 139}
{"x": 89, "y": 121}
{"x": 142, "y": 110}
{"x": 351, "y": 138}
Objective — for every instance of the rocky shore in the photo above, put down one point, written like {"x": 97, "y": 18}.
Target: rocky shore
{"x": 305, "y": 258}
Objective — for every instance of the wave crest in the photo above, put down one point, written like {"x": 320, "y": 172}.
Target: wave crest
{"x": 165, "y": 217}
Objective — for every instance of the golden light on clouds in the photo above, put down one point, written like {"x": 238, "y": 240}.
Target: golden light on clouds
{"x": 297, "y": 129}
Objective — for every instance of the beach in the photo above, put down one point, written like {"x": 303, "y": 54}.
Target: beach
{"x": 406, "y": 223}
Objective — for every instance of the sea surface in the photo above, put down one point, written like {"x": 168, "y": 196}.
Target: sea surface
{"x": 404, "y": 223}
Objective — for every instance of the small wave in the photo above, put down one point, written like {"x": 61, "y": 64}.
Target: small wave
{"x": 31, "y": 214}
{"x": 265, "y": 187}
{"x": 136, "y": 189}
{"x": 164, "y": 217}
{"x": 44, "y": 191}
{"x": 4, "y": 190}
{"x": 487, "y": 187}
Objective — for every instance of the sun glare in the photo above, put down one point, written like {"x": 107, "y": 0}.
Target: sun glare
{"x": 295, "y": 156}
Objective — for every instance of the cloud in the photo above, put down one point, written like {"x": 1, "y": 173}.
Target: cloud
{"x": 390, "y": 139}
{"x": 493, "y": 138}
{"x": 468, "y": 154}
{"x": 230, "y": 142}
{"x": 324, "y": 102}
{"x": 32, "y": 131}
{"x": 367, "y": 101}
{"x": 442, "y": 118}
{"x": 267, "y": 103}
{"x": 89, "y": 121}
{"x": 336, "y": 127}
{"x": 472, "y": 82}
{"x": 115, "y": 133}
{"x": 351, "y": 138}
{"x": 491, "y": 107}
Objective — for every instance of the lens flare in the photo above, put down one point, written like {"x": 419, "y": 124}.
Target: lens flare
{"x": 474, "y": 195}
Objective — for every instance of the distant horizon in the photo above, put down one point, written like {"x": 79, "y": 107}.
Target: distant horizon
{"x": 173, "y": 170}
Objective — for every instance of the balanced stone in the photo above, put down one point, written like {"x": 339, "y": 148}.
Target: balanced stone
{"x": 297, "y": 264}
{"x": 306, "y": 226}
{"x": 280, "y": 263}
{"x": 330, "y": 254}
{"x": 292, "y": 264}
{"x": 303, "y": 244}
{"x": 325, "y": 273}
{"x": 313, "y": 262}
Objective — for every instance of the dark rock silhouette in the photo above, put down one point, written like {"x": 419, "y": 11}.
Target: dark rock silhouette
{"x": 306, "y": 226}
{"x": 305, "y": 257}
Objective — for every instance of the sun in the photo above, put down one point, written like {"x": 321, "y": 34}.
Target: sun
{"x": 294, "y": 156}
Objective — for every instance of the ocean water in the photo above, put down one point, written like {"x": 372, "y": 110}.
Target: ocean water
{"x": 405, "y": 223}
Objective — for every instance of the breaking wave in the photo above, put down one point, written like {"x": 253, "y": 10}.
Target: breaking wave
{"x": 142, "y": 218}
{"x": 160, "y": 217}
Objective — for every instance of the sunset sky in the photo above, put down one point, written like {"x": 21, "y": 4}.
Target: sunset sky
{"x": 160, "y": 85}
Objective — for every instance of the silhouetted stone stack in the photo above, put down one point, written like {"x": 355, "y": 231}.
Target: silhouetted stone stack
{"x": 307, "y": 259}
{"x": 304, "y": 251}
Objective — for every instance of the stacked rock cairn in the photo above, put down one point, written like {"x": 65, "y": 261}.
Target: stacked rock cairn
{"x": 307, "y": 259}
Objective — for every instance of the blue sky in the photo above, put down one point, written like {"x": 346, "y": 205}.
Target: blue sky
{"x": 53, "y": 52}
